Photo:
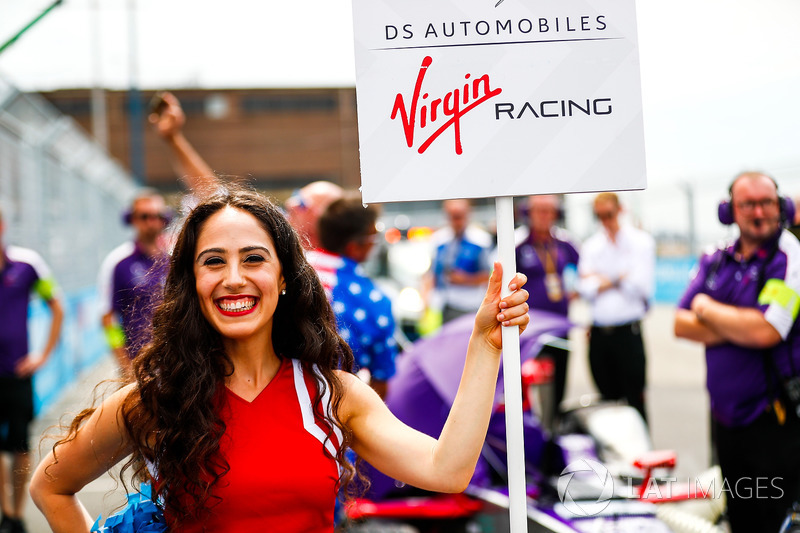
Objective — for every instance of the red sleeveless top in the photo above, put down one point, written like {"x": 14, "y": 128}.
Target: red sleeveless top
{"x": 282, "y": 477}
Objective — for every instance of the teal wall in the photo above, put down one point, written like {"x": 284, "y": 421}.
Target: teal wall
{"x": 81, "y": 346}
{"x": 672, "y": 277}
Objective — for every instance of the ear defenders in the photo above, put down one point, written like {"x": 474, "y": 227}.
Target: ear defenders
{"x": 524, "y": 210}
{"x": 787, "y": 210}
{"x": 166, "y": 215}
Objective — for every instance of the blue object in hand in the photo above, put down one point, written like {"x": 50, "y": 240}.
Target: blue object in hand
{"x": 140, "y": 515}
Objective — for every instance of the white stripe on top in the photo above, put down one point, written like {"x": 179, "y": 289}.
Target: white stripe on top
{"x": 307, "y": 410}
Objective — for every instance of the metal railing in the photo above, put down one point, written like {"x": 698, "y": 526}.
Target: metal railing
{"x": 61, "y": 194}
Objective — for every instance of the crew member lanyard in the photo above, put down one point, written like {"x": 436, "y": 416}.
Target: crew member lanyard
{"x": 552, "y": 281}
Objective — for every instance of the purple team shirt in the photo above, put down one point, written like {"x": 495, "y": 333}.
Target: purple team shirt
{"x": 736, "y": 376}
{"x": 530, "y": 264}
{"x": 131, "y": 283}
{"x": 24, "y": 273}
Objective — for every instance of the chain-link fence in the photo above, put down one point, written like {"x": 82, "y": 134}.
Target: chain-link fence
{"x": 60, "y": 192}
{"x": 61, "y": 195}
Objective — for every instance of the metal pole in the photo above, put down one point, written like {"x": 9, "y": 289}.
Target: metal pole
{"x": 99, "y": 115}
{"x": 512, "y": 379}
{"x": 689, "y": 189}
{"x": 135, "y": 108}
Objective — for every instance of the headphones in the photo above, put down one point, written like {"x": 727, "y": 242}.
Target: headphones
{"x": 524, "y": 209}
{"x": 166, "y": 215}
{"x": 785, "y": 204}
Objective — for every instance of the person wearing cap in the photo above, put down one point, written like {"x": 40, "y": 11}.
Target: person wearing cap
{"x": 306, "y": 205}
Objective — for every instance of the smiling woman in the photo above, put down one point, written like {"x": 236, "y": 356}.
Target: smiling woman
{"x": 238, "y": 278}
{"x": 245, "y": 367}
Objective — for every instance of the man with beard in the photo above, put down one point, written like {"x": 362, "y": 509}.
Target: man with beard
{"x": 743, "y": 305}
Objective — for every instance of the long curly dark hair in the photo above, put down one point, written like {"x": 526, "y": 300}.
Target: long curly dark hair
{"x": 171, "y": 415}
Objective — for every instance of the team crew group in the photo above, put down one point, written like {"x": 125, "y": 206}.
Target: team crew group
{"x": 261, "y": 307}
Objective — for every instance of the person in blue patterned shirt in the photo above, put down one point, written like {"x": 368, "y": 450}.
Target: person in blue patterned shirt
{"x": 363, "y": 312}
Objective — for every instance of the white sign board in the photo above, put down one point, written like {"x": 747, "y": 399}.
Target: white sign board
{"x": 487, "y": 98}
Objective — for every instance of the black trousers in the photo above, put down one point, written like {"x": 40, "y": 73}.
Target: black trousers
{"x": 16, "y": 413}
{"x": 560, "y": 358}
{"x": 617, "y": 361}
{"x": 761, "y": 471}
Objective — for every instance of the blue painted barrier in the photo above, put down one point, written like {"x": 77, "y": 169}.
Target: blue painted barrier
{"x": 81, "y": 346}
{"x": 672, "y": 277}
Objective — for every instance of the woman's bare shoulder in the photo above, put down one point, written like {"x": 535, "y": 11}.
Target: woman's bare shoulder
{"x": 358, "y": 397}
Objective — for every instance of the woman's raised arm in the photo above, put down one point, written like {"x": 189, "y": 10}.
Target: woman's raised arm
{"x": 99, "y": 444}
{"x": 445, "y": 464}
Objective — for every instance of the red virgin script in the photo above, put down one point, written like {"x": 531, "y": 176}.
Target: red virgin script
{"x": 428, "y": 112}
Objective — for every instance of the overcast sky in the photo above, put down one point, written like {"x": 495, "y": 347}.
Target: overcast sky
{"x": 720, "y": 78}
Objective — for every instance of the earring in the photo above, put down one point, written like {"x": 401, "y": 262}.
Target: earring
{"x": 283, "y": 292}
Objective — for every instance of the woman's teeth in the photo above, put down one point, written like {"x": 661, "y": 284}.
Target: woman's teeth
{"x": 234, "y": 306}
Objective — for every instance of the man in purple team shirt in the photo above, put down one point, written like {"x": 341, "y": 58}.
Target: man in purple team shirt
{"x": 743, "y": 305}
{"x": 22, "y": 272}
{"x": 547, "y": 256}
{"x": 132, "y": 275}
{"x": 131, "y": 278}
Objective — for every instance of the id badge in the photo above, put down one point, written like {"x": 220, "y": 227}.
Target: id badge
{"x": 552, "y": 283}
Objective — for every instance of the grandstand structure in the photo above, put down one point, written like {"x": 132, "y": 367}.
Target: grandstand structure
{"x": 273, "y": 139}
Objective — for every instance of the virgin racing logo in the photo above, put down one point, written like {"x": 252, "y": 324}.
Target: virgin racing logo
{"x": 425, "y": 112}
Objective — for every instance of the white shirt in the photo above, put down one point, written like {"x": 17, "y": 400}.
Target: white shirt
{"x": 630, "y": 261}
